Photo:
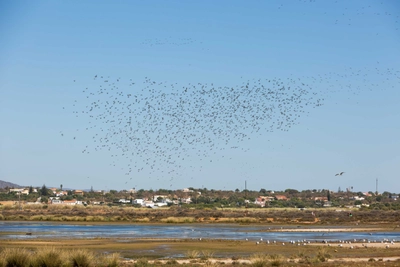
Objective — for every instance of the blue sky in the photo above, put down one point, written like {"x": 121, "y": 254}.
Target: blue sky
{"x": 345, "y": 53}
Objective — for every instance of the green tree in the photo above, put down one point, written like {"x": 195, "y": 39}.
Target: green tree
{"x": 291, "y": 191}
{"x": 44, "y": 191}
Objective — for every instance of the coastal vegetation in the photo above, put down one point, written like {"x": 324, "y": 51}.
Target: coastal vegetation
{"x": 191, "y": 214}
{"x": 72, "y": 254}
{"x": 205, "y": 198}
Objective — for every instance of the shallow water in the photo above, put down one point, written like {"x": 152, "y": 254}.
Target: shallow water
{"x": 126, "y": 232}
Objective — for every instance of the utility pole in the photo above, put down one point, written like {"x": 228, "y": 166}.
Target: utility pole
{"x": 376, "y": 192}
{"x": 245, "y": 194}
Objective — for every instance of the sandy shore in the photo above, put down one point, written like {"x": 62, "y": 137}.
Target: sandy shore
{"x": 359, "y": 245}
{"x": 248, "y": 261}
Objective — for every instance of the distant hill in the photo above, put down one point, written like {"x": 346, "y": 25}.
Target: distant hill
{"x": 4, "y": 184}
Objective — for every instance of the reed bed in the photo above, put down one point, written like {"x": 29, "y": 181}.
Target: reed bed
{"x": 179, "y": 220}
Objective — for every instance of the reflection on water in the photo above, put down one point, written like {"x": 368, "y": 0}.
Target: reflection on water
{"x": 129, "y": 232}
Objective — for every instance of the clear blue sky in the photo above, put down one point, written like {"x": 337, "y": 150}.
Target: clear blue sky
{"x": 344, "y": 53}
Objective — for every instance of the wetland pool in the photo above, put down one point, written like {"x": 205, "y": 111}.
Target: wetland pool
{"x": 51, "y": 230}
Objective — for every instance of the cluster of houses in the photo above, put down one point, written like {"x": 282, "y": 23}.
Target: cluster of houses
{"x": 160, "y": 201}
{"x": 164, "y": 200}
{"x": 324, "y": 201}
{"x": 22, "y": 191}
{"x": 262, "y": 200}
{"x": 57, "y": 200}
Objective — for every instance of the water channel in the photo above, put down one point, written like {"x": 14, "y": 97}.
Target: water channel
{"x": 19, "y": 230}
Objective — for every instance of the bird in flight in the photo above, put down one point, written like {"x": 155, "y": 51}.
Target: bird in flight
{"x": 339, "y": 174}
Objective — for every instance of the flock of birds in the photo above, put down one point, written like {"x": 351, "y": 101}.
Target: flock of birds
{"x": 351, "y": 244}
{"x": 159, "y": 125}
{"x": 163, "y": 130}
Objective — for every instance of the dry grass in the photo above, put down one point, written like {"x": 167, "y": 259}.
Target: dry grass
{"x": 192, "y": 254}
{"x": 82, "y": 258}
{"x": 179, "y": 220}
{"x": 188, "y": 215}
{"x": 206, "y": 254}
{"x": 16, "y": 257}
{"x": 56, "y": 257}
{"x": 142, "y": 262}
{"x": 48, "y": 257}
{"x": 259, "y": 260}
{"x": 141, "y": 220}
{"x": 112, "y": 260}
{"x": 66, "y": 256}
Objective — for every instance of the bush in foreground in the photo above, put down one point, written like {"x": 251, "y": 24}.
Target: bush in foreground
{"x": 16, "y": 257}
{"x": 47, "y": 257}
{"x": 53, "y": 257}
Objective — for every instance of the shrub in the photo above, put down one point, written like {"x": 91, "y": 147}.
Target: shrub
{"x": 112, "y": 260}
{"x": 205, "y": 254}
{"x": 143, "y": 220}
{"x": 259, "y": 260}
{"x": 276, "y": 260}
{"x": 16, "y": 257}
{"x": 81, "y": 258}
{"x": 171, "y": 262}
{"x": 47, "y": 257}
{"x": 192, "y": 254}
{"x": 178, "y": 220}
{"x": 246, "y": 220}
{"x": 323, "y": 255}
{"x": 212, "y": 264}
{"x": 36, "y": 218}
{"x": 143, "y": 262}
